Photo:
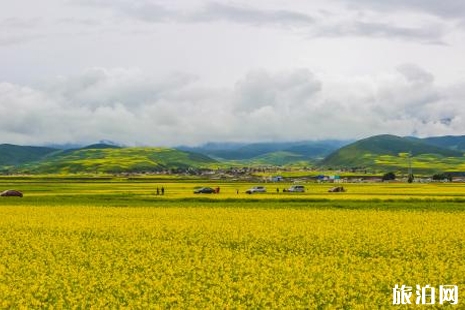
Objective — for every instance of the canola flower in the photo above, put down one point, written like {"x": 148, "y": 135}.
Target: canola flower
{"x": 183, "y": 257}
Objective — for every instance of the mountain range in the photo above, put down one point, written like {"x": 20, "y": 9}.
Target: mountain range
{"x": 376, "y": 154}
{"x": 98, "y": 158}
{"x": 306, "y": 150}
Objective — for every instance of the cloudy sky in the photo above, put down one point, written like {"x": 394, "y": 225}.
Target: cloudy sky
{"x": 165, "y": 73}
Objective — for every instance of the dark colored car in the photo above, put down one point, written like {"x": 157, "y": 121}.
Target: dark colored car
{"x": 204, "y": 190}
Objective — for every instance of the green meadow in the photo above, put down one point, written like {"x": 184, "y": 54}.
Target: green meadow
{"x": 424, "y": 163}
{"x": 134, "y": 191}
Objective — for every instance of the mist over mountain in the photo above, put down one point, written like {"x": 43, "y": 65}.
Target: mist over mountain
{"x": 242, "y": 151}
{"x": 450, "y": 142}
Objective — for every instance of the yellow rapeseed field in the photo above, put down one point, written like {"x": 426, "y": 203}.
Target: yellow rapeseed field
{"x": 225, "y": 256}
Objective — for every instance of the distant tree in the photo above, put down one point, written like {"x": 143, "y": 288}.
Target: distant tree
{"x": 449, "y": 177}
{"x": 389, "y": 176}
{"x": 410, "y": 178}
{"x": 442, "y": 176}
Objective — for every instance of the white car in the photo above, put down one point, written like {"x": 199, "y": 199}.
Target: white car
{"x": 256, "y": 189}
{"x": 296, "y": 188}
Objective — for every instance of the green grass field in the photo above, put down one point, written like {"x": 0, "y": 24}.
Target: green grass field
{"x": 136, "y": 191}
{"x": 113, "y": 243}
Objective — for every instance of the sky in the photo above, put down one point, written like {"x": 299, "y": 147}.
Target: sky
{"x": 187, "y": 72}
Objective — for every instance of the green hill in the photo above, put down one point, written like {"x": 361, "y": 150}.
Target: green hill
{"x": 98, "y": 159}
{"x": 388, "y": 152}
{"x": 14, "y": 155}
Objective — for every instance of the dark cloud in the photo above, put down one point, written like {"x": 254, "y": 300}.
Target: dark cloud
{"x": 383, "y": 30}
{"x": 442, "y": 8}
{"x": 149, "y": 12}
{"x": 20, "y": 23}
{"x": 86, "y": 22}
{"x": 144, "y": 10}
{"x": 215, "y": 11}
{"x": 320, "y": 24}
{"x": 6, "y": 40}
{"x": 427, "y": 34}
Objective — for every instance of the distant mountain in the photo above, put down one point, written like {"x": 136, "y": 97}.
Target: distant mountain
{"x": 450, "y": 142}
{"x": 240, "y": 151}
{"x": 316, "y": 149}
{"x": 68, "y": 146}
{"x": 100, "y": 146}
{"x": 377, "y": 150}
{"x": 279, "y": 158}
{"x": 13, "y": 155}
{"x": 233, "y": 151}
{"x": 65, "y": 146}
{"x": 212, "y": 146}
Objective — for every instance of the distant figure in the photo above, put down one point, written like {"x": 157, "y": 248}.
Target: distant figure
{"x": 217, "y": 190}
{"x": 162, "y": 190}
{"x": 11, "y": 193}
{"x": 158, "y": 191}
{"x": 237, "y": 191}
{"x": 277, "y": 190}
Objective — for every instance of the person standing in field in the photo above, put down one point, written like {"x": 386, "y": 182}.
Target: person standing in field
{"x": 158, "y": 191}
{"x": 162, "y": 190}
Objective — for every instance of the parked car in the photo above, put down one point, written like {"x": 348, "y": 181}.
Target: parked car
{"x": 296, "y": 189}
{"x": 204, "y": 190}
{"x": 256, "y": 189}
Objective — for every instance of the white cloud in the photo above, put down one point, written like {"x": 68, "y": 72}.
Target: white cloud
{"x": 131, "y": 107}
{"x": 349, "y": 83}
{"x": 414, "y": 73}
{"x": 283, "y": 90}
{"x": 101, "y": 87}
